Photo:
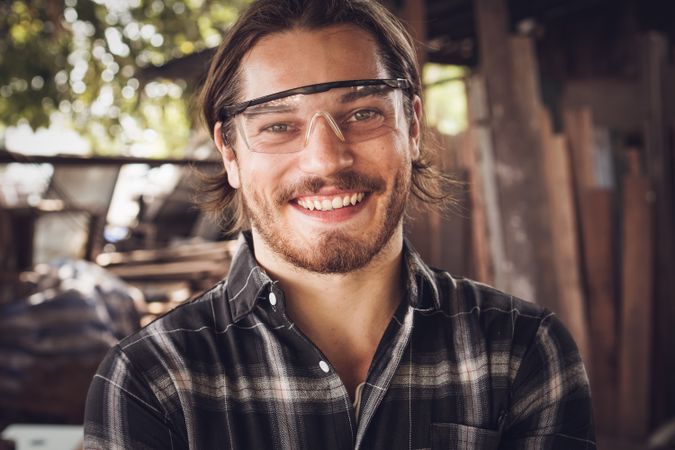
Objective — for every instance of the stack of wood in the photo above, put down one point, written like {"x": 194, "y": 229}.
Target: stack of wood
{"x": 169, "y": 276}
{"x": 616, "y": 230}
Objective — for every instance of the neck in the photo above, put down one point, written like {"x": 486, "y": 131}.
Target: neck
{"x": 345, "y": 315}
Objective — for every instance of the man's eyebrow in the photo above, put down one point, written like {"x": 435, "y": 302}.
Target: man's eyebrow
{"x": 363, "y": 92}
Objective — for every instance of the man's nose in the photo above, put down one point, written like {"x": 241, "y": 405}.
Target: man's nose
{"x": 325, "y": 151}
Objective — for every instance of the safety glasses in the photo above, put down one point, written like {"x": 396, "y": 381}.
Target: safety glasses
{"x": 355, "y": 110}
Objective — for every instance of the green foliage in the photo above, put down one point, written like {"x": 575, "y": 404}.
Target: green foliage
{"x": 81, "y": 60}
{"x": 445, "y": 98}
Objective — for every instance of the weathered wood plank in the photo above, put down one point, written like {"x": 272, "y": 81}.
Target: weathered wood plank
{"x": 598, "y": 236}
{"x": 571, "y": 307}
{"x": 204, "y": 250}
{"x": 578, "y": 125}
{"x": 658, "y": 78}
{"x": 510, "y": 70}
{"x": 637, "y": 305}
{"x": 189, "y": 270}
{"x": 484, "y": 184}
{"x": 479, "y": 254}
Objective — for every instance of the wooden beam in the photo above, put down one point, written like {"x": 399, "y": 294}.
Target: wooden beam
{"x": 481, "y": 269}
{"x": 571, "y": 306}
{"x": 657, "y": 79}
{"x": 598, "y": 249}
{"x": 203, "y": 251}
{"x": 76, "y": 160}
{"x": 510, "y": 70}
{"x": 578, "y": 124}
{"x": 612, "y": 100}
{"x": 596, "y": 233}
{"x": 183, "y": 270}
{"x": 637, "y": 305}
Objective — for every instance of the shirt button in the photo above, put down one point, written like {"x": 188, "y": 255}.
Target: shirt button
{"x": 324, "y": 366}
{"x": 272, "y": 299}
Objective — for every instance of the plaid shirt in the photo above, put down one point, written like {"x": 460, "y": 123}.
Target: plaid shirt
{"x": 460, "y": 366}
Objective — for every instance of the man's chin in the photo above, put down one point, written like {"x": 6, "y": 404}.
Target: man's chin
{"x": 334, "y": 252}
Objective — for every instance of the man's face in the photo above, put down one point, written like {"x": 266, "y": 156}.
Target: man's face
{"x": 282, "y": 191}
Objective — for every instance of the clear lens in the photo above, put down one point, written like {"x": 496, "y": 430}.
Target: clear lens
{"x": 355, "y": 114}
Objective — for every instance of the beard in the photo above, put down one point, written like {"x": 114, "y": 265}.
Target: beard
{"x": 334, "y": 252}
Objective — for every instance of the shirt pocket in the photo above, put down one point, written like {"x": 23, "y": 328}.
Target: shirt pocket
{"x": 453, "y": 436}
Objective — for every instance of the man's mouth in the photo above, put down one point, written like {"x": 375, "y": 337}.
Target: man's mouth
{"x": 330, "y": 202}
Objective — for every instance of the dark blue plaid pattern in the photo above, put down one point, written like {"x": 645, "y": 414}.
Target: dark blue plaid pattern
{"x": 461, "y": 366}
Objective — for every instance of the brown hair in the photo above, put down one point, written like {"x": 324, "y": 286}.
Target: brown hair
{"x": 265, "y": 17}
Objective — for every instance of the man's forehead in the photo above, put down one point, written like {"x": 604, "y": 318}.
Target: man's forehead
{"x": 300, "y": 57}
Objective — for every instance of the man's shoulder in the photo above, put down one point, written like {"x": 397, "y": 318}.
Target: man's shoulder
{"x": 435, "y": 291}
{"x": 195, "y": 319}
{"x": 499, "y": 322}
{"x": 487, "y": 313}
{"x": 460, "y": 295}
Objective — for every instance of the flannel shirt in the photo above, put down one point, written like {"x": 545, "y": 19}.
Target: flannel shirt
{"x": 460, "y": 366}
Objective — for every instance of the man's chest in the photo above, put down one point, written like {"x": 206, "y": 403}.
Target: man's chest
{"x": 282, "y": 392}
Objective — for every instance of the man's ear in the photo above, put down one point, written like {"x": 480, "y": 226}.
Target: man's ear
{"x": 229, "y": 157}
{"x": 415, "y": 127}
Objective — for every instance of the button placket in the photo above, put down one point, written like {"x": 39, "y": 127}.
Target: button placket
{"x": 331, "y": 379}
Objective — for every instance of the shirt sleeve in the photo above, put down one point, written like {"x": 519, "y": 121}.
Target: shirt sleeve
{"x": 550, "y": 396}
{"x": 122, "y": 412}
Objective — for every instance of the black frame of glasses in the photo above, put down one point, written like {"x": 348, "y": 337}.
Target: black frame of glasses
{"x": 229, "y": 111}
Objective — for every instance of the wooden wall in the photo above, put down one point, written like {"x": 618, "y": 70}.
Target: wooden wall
{"x": 569, "y": 164}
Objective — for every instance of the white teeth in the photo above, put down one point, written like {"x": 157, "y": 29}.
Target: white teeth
{"x": 345, "y": 201}
{"x": 327, "y": 204}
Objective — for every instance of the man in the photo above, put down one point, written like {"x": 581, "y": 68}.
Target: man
{"x": 330, "y": 332}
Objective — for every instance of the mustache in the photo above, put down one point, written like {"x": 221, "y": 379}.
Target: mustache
{"x": 347, "y": 181}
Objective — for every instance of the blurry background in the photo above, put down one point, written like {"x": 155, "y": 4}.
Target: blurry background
{"x": 558, "y": 116}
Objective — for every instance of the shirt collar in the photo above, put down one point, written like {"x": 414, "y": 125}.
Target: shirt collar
{"x": 421, "y": 280}
{"x": 248, "y": 282}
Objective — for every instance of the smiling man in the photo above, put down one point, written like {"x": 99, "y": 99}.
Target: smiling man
{"x": 330, "y": 331}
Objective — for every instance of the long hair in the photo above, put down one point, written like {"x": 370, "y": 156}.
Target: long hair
{"x": 264, "y": 17}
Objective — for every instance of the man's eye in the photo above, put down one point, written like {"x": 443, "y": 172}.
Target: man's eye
{"x": 277, "y": 128}
{"x": 363, "y": 114}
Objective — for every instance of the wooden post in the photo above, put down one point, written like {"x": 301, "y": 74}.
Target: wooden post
{"x": 484, "y": 183}
{"x": 571, "y": 306}
{"x": 480, "y": 255}
{"x": 637, "y": 308}
{"x": 596, "y": 234}
{"x": 660, "y": 157}
{"x": 579, "y": 131}
{"x": 509, "y": 67}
